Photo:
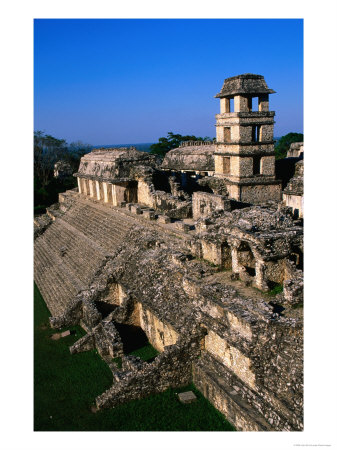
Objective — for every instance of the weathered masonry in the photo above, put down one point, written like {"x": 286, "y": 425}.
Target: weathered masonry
{"x": 192, "y": 259}
{"x": 245, "y": 146}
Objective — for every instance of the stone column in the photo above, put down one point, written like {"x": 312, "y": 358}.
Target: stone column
{"x": 113, "y": 195}
{"x": 105, "y": 192}
{"x": 264, "y": 102}
{"x": 234, "y": 245}
{"x": 98, "y": 191}
{"x": 79, "y": 185}
{"x": 86, "y": 186}
{"x": 91, "y": 188}
{"x": 260, "y": 280}
{"x": 240, "y": 103}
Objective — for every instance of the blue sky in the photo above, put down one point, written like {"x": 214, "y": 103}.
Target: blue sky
{"x": 114, "y": 81}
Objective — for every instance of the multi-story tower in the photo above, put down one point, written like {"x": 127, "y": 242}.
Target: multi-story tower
{"x": 245, "y": 156}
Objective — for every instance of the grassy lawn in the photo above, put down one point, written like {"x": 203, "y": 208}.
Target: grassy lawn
{"x": 65, "y": 387}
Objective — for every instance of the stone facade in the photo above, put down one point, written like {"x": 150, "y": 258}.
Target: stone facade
{"x": 293, "y": 194}
{"x": 62, "y": 169}
{"x": 191, "y": 156}
{"x": 204, "y": 204}
{"x": 296, "y": 150}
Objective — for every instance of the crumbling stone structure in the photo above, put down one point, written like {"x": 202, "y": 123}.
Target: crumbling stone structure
{"x": 195, "y": 271}
{"x": 296, "y": 150}
{"x": 62, "y": 169}
{"x": 293, "y": 194}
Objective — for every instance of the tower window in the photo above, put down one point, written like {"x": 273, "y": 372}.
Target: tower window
{"x": 256, "y": 165}
{"x": 226, "y": 165}
{"x": 255, "y": 104}
{"x": 256, "y": 133}
{"x": 227, "y": 134}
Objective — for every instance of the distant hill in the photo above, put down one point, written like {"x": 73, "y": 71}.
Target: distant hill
{"x": 142, "y": 147}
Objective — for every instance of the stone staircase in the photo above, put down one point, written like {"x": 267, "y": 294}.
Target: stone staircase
{"x": 71, "y": 249}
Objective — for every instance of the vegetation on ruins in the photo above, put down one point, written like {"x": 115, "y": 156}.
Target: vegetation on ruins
{"x": 283, "y": 144}
{"x": 65, "y": 386}
{"x": 47, "y": 151}
{"x": 165, "y": 144}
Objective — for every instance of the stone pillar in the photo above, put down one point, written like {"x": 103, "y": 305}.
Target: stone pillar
{"x": 224, "y": 105}
{"x": 92, "y": 188}
{"x": 260, "y": 280}
{"x": 105, "y": 192}
{"x": 113, "y": 195}
{"x": 79, "y": 185}
{"x": 234, "y": 245}
{"x": 240, "y": 103}
{"x": 86, "y": 185}
{"x": 264, "y": 102}
{"x": 98, "y": 190}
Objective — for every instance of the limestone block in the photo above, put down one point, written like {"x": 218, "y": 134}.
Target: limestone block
{"x": 268, "y": 165}
{"x": 204, "y": 204}
{"x": 231, "y": 357}
{"x": 160, "y": 334}
{"x": 245, "y": 134}
{"x": 245, "y": 167}
{"x": 187, "y": 397}
{"x": 240, "y": 103}
{"x": 183, "y": 226}
{"x": 264, "y": 102}
{"x": 260, "y": 193}
{"x": 148, "y": 214}
{"x": 163, "y": 219}
{"x": 267, "y": 132}
{"x": 135, "y": 209}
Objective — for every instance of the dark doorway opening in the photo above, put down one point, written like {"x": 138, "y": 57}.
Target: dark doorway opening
{"x": 105, "y": 308}
{"x": 251, "y": 271}
{"x": 133, "y": 337}
{"x": 256, "y": 165}
{"x": 297, "y": 257}
{"x": 278, "y": 309}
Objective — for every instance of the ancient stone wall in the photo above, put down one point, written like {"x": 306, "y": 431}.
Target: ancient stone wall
{"x": 253, "y": 193}
{"x": 246, "y": 352}
{"x": 160, "y": 334}
{"x": 204, "y": 204}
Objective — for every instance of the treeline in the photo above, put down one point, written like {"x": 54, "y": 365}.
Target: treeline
{"x": 165, "y": 144}
{"x": 283, "y": 144}
{"x": 47, "y": 151}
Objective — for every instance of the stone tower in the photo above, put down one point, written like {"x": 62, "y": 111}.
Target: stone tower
{"x": 245, "y": 156}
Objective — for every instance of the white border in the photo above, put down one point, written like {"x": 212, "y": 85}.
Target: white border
{"x": 320, "y": 232}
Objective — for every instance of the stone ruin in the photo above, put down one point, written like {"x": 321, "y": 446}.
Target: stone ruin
{"x": 62, "y": 169}
{"x": 174, "y": 249}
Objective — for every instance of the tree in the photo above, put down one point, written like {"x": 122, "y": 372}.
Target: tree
{"x": 283, "y": 144}
{"x": 47, "y": 150}
{"x": 165, "y": 144}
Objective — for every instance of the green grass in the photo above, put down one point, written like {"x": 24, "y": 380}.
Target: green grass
{"x": 146, "y": 353}
{"x": 277, "y": 289}
{"x": 65, "y": 387}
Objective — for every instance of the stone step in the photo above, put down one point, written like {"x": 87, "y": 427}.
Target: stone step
{"x": 69, "y": 252}
{"x": 107, "y": 230}
{"x": 56, "y": 292}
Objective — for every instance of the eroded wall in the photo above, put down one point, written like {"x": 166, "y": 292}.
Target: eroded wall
{"x": 159, "y": 333}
